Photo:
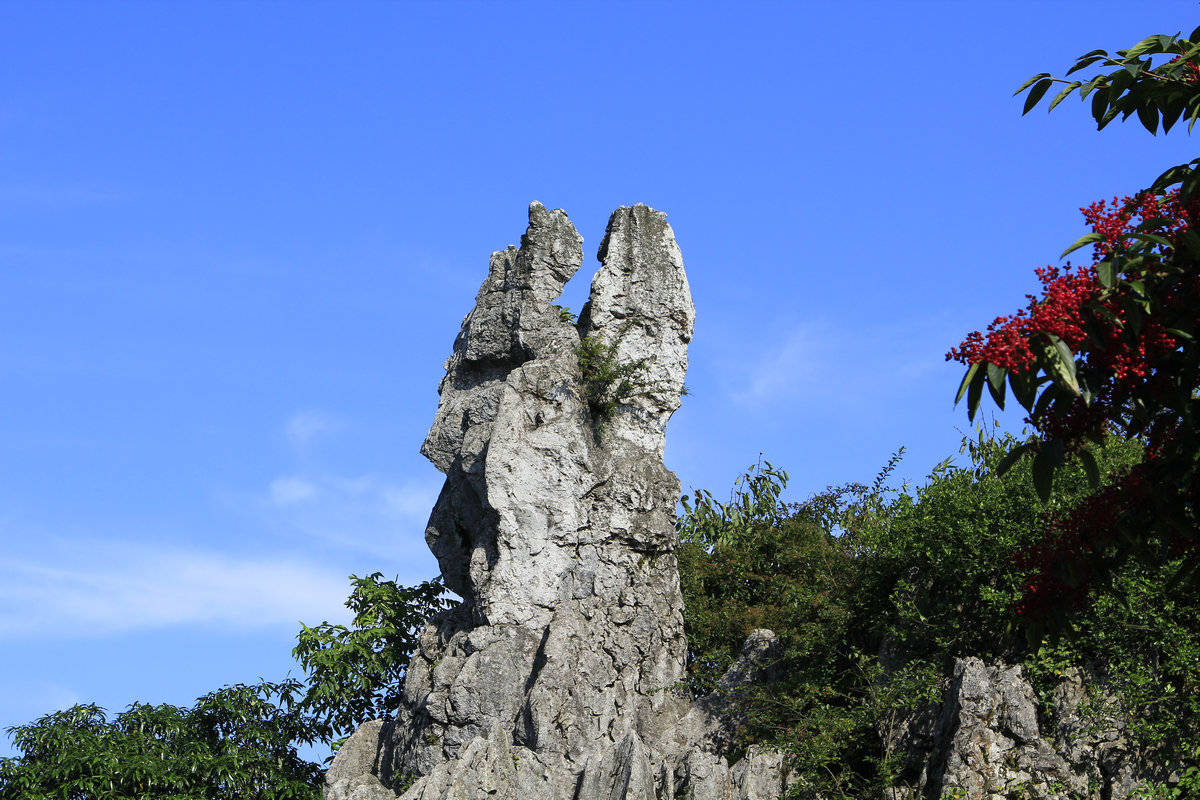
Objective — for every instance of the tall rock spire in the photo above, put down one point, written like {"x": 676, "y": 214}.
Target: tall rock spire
{"x": 558, "y": 674}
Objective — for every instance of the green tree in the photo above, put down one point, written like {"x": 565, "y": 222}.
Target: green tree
{"x": 239, "y": 742}
{"x": 1111, "y": 346}
{"x": 874, "y": 593}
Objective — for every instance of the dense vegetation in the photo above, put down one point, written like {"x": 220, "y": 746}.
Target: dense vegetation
{"x": 239, "y": 742}
{"x": 874, "y": 593}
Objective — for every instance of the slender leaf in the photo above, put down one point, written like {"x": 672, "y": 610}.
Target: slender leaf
{"x": 1036, "y": 93}
{"x": 1058, "y": 362}
{"x": 1106, "y": 271}
{"x": 1087, "y": 88}
{"x": 1013, "y": 457}
{"x": 1082, "y": 63}
{"x": 1072, "y": 86}
{"x": 966, "y": 381}
{"x": 1024, "y": 388}
{"x": 1087, "y": 238}
{"x": 1090, "y": 467}
{"x": 1148, "y": 115}
{"x": 1043, "y": 471}
{"x": 1030, "y": 82}
{"x": 1100, "y": 103}
{"x": 1170, "y": 114}
{"x": 996, "y": 383}
{"x": 974, "y": 393}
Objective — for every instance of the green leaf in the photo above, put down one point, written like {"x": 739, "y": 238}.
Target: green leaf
{"x": 1043, "y": 402}
{"x": 1106, "y": 271}
{"x": 1012, "y": 457}
{"x": 1024, "y": 388}
{"x": 1178, "y": 334}
{"x": 1043, "y": 471}
{"x": 1194, "y": 113}
{"x": 1170, "y": 114}
{"x": 1087, "y": 88}
{"x": 1072, "y": 86}
{"x": 1118, "y": 82}
{"x": 1151, "y": 44}
{"x": 1036, "y": 93}
{"x": 1087, "y": 238}
{"x": 1030, "y": 82}
{"x": 1100, "y": 103}
{"x": 1057, "y": 361}
{"x": 1148, "y": 115}
{"x": 1090, "y": 467}
{"x": 966, "y": 381}
{"x": 974, "y": 393}
{"x": 995, "y": 376}
{"x": 1082, "y": 63}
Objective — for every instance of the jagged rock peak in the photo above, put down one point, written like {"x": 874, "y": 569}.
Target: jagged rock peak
{"x": 512, "y": 322}
{"x": 558, "y": 674}
{"x": 641, "y": 305}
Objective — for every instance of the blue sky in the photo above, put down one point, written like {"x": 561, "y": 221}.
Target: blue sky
{"x": 237, "y": 240}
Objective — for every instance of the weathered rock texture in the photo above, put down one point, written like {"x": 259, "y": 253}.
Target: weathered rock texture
{"x": 557, "y": 675}
{"x": 987, "y": 741}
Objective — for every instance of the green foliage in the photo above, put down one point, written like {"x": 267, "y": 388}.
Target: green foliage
{"x": 355, "y": 674}
{"x": 238, "y": 742}
{"x": 608, "y": 383}
{"x": 874, "y": 592}
{"x": 234, "y": 743}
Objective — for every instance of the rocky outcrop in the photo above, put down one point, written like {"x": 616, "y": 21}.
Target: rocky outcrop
{"x": 557, "y": 676}
{"x": 987, "y": 741}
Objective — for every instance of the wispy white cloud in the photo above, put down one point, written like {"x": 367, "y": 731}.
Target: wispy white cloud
{"x": 367, "y": 513}
{"x": 304, "y": 427}
{"x": 288, "y": 491}
{"x": 98, "y": 588}
{"x": 784, "y": 370}
{"x": 815, "y": 362}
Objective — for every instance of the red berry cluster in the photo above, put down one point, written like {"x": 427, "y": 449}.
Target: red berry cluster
{"x": 1059, "y": 312}
{"x": 1124, "y": 356}
{"x": 1120, "y": 357}
{"x": 1124, "y": 213}
{"x": 1191, "y": 72}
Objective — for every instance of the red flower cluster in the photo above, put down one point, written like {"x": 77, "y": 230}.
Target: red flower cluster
{"x": 1059, "y": 312}
{"x": 1112, "y": 221}
{"x": 1192, "y": 72}
{"x": 1127, "y": 358}
{"x": 1120, "y": 358}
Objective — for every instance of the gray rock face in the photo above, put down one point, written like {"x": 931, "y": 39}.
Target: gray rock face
{"x": 557, "y": 675}
{"x": 985, "y": 742}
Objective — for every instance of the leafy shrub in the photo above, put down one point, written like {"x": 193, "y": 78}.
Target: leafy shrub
{"x": 239, "y": 741}
{"x": 875, "y": 592}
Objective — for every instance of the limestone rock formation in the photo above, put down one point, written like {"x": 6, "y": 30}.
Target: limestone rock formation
{"x": 987, "y": 741}
{"x": 557, "y": 675}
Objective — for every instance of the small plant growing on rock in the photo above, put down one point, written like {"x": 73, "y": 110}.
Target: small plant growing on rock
{"x": 607, "y": 382}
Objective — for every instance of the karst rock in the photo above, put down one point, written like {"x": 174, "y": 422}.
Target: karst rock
{"x": 558, "y": 674}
